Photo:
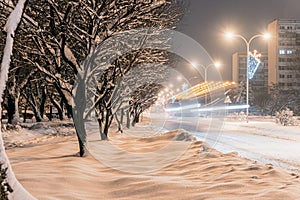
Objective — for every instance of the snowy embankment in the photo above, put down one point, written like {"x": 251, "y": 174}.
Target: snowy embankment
{"x": 261, "y": 140}
{"x": 146, "y": 163}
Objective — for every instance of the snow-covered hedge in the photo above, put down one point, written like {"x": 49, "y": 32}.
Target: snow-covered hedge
{"x": 286, "y": 117}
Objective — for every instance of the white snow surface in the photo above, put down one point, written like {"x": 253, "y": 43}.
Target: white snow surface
{"x": 261, "y": 140}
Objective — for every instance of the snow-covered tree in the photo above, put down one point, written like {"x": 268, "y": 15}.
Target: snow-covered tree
{"x": 10, "y": 29}
{"x": 61, "y": 37}
{"x": 142, "y": 99}
{"x": 17, "y": 81}
{"x": 281, "y": 99}
{"x": 125, "y": 94}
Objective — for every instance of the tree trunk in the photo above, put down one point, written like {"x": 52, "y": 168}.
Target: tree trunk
{"x": 78, "y": 113}
{"x": 60, "y": 113}
{"x": 43, "y": 102}
{"x": 104, "y": 119}
{"x": 10, "y": 109}
{"x": 69, "y": 110}
{"x": 136, "y": 116}
{"x": 135, "y": 119}
{"x": 106, "y": 122}
{"x": 13, "y": 108}
{"x": 61, "y": 103}
{"x": 37, "y": 115}
{"x": 50, "y": 112}
{"x": 80, "y": 132}
{"x": 119, "y": 123}
{"x": 35, "y": 109}
{"x": 103, "y": 136}
{"x": 66, "y": 100}
{"x": 25, "y": 114}
{"x": 58, "y": 107}
{"x": 108, "y": 118}
{"x": 122, "y": 116}
{"x": 16, "y": 117}
{"x": 128, "y": 119}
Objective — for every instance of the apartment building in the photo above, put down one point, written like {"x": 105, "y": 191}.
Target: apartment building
{"x": 284, "y": 54}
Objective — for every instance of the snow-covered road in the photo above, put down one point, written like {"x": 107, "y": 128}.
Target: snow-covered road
{"x": 260, "y": 140}
{"x": 265, "y": 142}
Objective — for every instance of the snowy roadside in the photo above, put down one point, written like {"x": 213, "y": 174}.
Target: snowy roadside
{"x": 260, "y": 140}
{"x": 29, "y": 134}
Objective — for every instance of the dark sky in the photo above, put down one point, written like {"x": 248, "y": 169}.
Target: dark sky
{"x": 207, "y": 20}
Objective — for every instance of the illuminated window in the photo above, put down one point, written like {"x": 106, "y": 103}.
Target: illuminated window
{"x": 281, "y": 51}
{"x": 289, "y": 51}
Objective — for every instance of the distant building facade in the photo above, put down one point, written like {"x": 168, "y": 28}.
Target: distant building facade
{"x": 283, "y": 54}
{"x": 259, "y": 82}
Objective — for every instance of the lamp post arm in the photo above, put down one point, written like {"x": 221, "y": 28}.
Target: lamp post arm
{"x": 244, "y": 39}
{"x": 250, "y": 40}
{"x": 255, "y": 36}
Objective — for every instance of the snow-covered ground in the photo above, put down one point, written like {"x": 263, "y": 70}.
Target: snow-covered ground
{"x": 261, "y": 140}
{"x": 144, "y": 162}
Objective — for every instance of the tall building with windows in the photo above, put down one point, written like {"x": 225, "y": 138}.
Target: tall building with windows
{"x": 283, "y": 54}
{"x": 259, "y": 82}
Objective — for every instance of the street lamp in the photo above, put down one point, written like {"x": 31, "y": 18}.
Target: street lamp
{"x": 232, "y": 35}
{"x": 205, "y": 67}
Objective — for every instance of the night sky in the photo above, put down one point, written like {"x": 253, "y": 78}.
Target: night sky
{"x": 207, "y": 20}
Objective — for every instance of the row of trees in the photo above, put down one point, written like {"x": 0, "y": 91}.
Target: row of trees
{"x": 268, "y": 101}
{"x": 277, "y": 99}
{"x": 85, "y": 56}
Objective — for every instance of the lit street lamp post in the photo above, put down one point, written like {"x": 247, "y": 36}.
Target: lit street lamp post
{"x": 231, "y": 35}
{"x": 217, "y": 64}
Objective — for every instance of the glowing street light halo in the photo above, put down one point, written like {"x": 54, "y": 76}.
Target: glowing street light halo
{"x": 267, "y": 36}
{"x": 216, "y": 64}
{"x": 229, "y": 34}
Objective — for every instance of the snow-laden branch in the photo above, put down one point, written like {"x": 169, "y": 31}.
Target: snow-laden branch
{"x": 10, "y": 28}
